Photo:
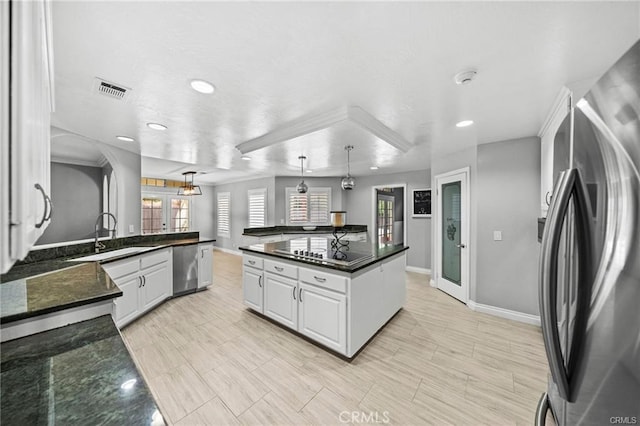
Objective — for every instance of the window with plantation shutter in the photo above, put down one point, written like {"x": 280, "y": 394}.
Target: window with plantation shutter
{"x": 257, "y": 207}
{"x": 310, "y": 208}
{"x": 224, "y": 214}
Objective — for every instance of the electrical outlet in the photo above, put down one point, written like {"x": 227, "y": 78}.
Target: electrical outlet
{"x": 497, "y": 235}
{"x": 131, "y": 229}
{"x": 281, "y": 221}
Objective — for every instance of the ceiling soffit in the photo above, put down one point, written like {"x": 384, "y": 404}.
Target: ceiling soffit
{"x": 312, "y": 123}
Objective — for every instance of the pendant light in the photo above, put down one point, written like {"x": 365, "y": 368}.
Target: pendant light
{"x": 189, "y": 188}
{"x": 302, "y": 187}
{"x": 348, "y": 182}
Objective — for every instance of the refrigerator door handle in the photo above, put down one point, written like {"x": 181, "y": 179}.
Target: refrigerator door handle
{"x": 549, "y": 279}
{"x": 541, "y": 410}
{"x": 569, "y": 184}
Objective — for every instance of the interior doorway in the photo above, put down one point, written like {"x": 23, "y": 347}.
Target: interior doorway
{"x": 389, "y": 221}
{"x": 452, "y": 233}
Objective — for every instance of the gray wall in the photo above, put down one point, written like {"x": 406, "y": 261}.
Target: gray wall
{"x": 240, "y": 209}
{"x": 127, "y": 168}
{"x": 76, "y": 193}
{"x": 508, "y": 191}
{"x": 359, "y": 204}
{"x": 281, "y": 183}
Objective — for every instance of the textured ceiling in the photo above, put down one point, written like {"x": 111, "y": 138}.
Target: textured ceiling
{"x": 273, "y": 63}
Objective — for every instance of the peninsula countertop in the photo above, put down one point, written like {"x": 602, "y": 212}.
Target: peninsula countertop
{"x": 32, "y": 289}
{"x": 377, "y": 253}
{"x": 78, "y": 374}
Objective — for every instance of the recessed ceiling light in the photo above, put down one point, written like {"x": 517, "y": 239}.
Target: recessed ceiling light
{"x": 202, "y": 86}
{"x": 125, "y": 138}
{"x": 156, "y": 126}
{"x": 373, "y": 167}
{"x": 245, "y": 158}
{"x": 464, "y": 123}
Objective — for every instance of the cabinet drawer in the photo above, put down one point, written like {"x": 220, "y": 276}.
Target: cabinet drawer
{"x": 281, "y": 269}
{"x": 119, "y": 269}
{"x": 321, "y": 279}
{"x": 253, "y": 261}
{"x": 155, "y": 258}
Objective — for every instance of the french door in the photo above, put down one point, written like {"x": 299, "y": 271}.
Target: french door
{"x": 162, "y": 213}
{"x": 452, "y": 232}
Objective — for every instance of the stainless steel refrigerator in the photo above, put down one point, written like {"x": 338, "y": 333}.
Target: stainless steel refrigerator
{"x": 590, "y": 257}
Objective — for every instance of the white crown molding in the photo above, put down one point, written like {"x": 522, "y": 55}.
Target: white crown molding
{"x": 504, "y": 313}
{"x": 557, "y": 112}
{"x": 312, "y": 123}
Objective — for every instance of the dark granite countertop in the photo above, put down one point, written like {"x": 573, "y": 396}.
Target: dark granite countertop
{"x": 55, "y": 291}
{"x": 80, "y": 374}
{"x": 275, "y": 230}
{"x": 377, "y": 253}
{"x": 51, "y": 285}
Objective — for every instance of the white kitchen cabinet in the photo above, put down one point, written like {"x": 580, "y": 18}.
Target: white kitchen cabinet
{"x": 145, "y": 281}
{"x": 280, "y": 299}
{"x": 252, "y": 287}
{"x": 322, "y": 316}
{"x": 559, "y": 111}
{"x": 28, "y": 77}
{"x": 205, "y": 265}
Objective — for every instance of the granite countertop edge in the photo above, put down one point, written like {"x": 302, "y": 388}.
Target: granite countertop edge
{"x": 386, "y": 253}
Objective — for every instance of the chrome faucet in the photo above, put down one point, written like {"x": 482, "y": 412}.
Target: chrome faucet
{"x": 98, "y": 245}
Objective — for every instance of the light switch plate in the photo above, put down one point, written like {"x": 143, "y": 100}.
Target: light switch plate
{"x": 497, "y": 235}
{"x": 131, "y": 229}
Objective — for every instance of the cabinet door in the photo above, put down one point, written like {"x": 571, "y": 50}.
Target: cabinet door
{"x": 31, "y": 102}
{"x": 322, "y": 316}
{"x": 205, "y": 265}
{"x": 156, "y": 285}
{"x": 252, "y": 288}
{"x": 125, "y": 307}
{"x": 280, "y": 299}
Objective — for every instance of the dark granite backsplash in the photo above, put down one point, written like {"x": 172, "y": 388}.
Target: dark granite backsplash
{"x": 87, "y": 248}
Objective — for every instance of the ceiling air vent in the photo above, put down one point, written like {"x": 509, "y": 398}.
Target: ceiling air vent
{"x": 112, "y": 90}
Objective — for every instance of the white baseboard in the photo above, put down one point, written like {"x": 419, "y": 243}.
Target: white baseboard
{"x": 226, "y": 250}
{"x": 417, "y": 270}
{"x": 432, "y": 282}
{"x": 504, "y": 313}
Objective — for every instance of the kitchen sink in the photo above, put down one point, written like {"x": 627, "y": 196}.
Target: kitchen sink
{"x": 110, "y": 254}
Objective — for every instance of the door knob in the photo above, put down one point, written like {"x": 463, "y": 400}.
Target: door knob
{"x": 460, "y": 245}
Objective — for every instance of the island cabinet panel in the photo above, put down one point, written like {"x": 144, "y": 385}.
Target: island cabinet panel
{"x": 322, "y": 316}
{"x": 156, "y": 285}
{"x": 252, "y": 287}
{"x": 280, "y": 299}
{"x": 338, "y": 309}
{"x": 125, "y": 307}
{"x": 205, "y": 265}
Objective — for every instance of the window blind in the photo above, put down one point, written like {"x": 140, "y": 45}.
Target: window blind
{"x": 297, "y": 208}
{"x": 224, "y": 216}
{"x": 312, "y": 207}
{"x": 319, "y": 206}
{"x": 257, "y": 207}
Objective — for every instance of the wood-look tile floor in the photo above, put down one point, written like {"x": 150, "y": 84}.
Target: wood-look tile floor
{"x": 210, "y": 361}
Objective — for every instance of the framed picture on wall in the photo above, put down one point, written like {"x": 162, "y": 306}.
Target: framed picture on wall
{"x": 421, "y": 203}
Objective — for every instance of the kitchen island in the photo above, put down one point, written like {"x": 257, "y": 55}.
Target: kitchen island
{"x": 336, "y": 293}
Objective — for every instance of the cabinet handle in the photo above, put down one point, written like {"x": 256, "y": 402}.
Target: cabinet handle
{"x": 144, "y": 281}
{"x": 294, "y": 293}
{"x": 46, "y": 205}
{"x": 140, "y": 284}
{"x": 547, "y": 198}
{"x": 260, "y": 281}
{"x": 48, "y": 199}
{"x": 300, "y": 295}
{"x": 319, "y": 279}
{"x": 278, "y": 268}
{"x": 251, "y": 262}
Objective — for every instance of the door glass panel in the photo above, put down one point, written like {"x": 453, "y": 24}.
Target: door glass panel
{"x": 385, "y": 220}
{"x": 152, "y": 215}
{"x": 451, "y": 266}
{"x": 179, "y": 215}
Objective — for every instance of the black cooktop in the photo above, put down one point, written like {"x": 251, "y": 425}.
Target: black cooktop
{"x": 323, "y": 250}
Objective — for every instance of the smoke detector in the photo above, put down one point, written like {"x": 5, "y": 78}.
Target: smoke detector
{"x": 465, "y": 77}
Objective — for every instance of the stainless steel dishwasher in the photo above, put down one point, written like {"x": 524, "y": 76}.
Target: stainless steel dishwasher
{"x": 185, "y": 269}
